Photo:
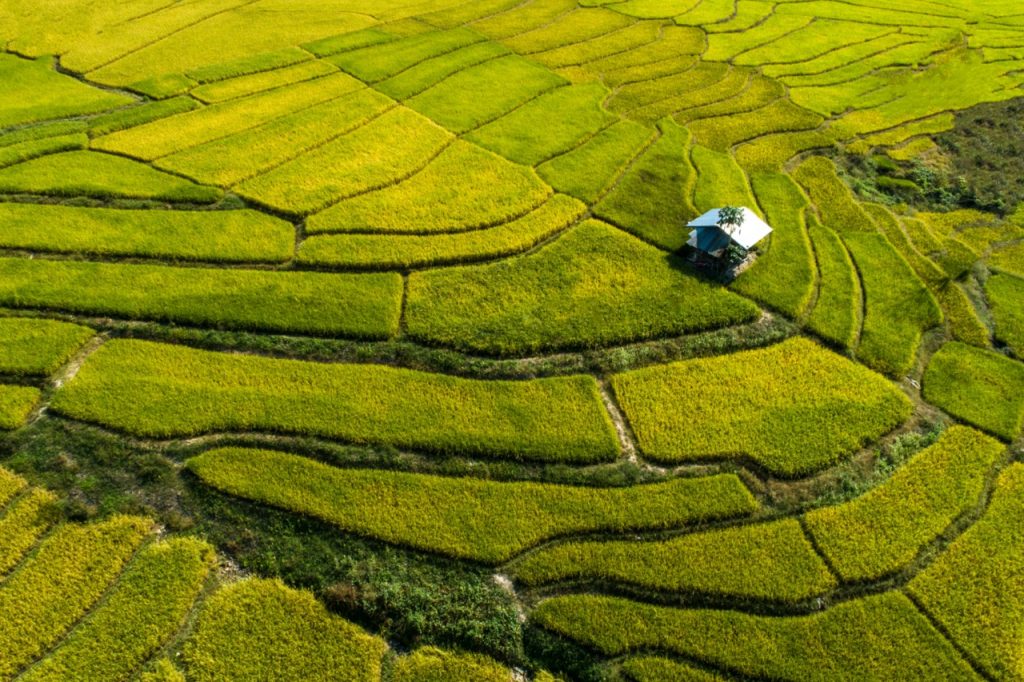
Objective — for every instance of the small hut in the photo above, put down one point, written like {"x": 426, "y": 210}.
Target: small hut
{"x": 710, "y": 236}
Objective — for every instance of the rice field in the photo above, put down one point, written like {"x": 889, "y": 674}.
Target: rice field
{"x": 352, "y": 340}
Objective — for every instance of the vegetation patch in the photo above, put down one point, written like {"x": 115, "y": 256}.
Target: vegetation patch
{"x": 399, "y": 252}
{"x": 779, "y": 563}
{"x": 59, "y": 583}
{"x": 142, "y": 612}
{"x": 586, "y": 171}
{"x": 652, "y": 199}
{"x": 365, "y": 306}
{"x": 178, "y": 391}
{"x": 37, "y": 347}
{"x": 467, "y": 518}
{"x": 23, "y": 523}
{"x": 1006, "y": 296}
{"x": 883, "y": 530}
{"x": 259, "y": 629}
{"x": 34, "y": 91}
{"x": 464, "y": 188}
{"x": 972, "y": 589}
{"x": 793, "y": 408}
{"x": 431, "y": 664}
{"x": 979, "y": 386}
{"x": 386, "y": 150}
{"x": 483, "y": 93}
{"x": 220, "y": 236}
{"x": 85, "y": 173}
{"x": 594, "y": 286}
{"x": 16, "y": 404}
{"x": 784, "y": 276}
{"x": 551, "y": 124}
{"x": 881, "y": 637}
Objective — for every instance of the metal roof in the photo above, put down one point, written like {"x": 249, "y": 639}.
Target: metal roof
{"x": 746, "y": 235}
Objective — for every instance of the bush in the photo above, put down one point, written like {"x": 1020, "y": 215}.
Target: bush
{"x": 973, "y": 588}
{"x": 883, "y": 531}
{"x": 979, "y": 386}
{"x": 366, "y": 306}
{"x": 142, "y": 612}
{"x": 58, "y": 585}
{"x": 792, "y": 408}
{"x": 164, "y": 391}
{"x": 32, "y": 346}
{"x": 260, "y": 629}
{"x": 772, "y": 562}
{"x": 487, "y": 521}
{"x": 881, "y": 637}
{"x": 594, "y": 286}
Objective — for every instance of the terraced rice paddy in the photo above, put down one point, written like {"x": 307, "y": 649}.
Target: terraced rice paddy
{"x": 350, "y": 340}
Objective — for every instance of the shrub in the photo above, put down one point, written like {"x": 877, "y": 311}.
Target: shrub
{"x": 792, "y": 408}
{"x": 652, "y": 200}
{"x": 242, "y": 155}
{"x": 59, "y": 584}
{"x": 881, "y": 637}
{"x": 771, "y": 561}
{"x": 16, "y": 404}
{"x": 586, "y": 171}
{"x": 487, "y": 521}
{"x": 898, "y": 306}
{"x": 594, "y": 286}
{"x": 250, "y": 84}
{"x": 551, "y": 124}
{"x": 175, "y": 133}
{"x": 220, "y": 236}
{"x": 882, "y": 531}
{"x": 784, "y": 277}
{"x": 365, "y": 306}
{"x": 23, "y": 523}
{"x": 36, "y": 346}
{"x": 260, "y": 629}
{"x": 173, "y": 391}
{"x": 836, "y": 315}
{"x": 430, "y": 664}
{"x": 973, "y": 588}
{"x": 85, "y": 173}
{"x": 394, "y": 252}
{"x": 485, "y": 92}
{"x": 389, "y": 148}
{"x": 979, "y": 386}
{"x": 141, "y": 613}
{"x": 464, "y": 188}
{"x": 1006, "y": 297}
